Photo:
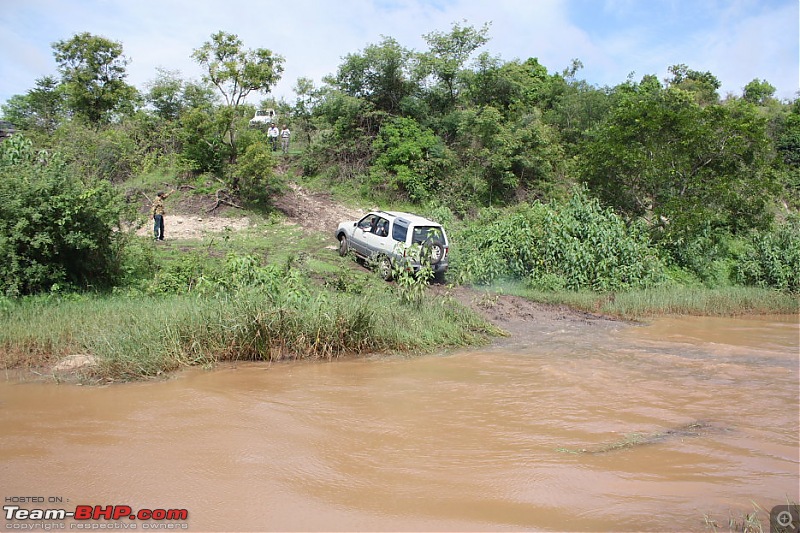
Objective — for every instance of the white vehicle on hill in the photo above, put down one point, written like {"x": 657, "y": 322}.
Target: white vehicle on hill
{"x": 263, "y": 118}
{"x": 389, "y": 237}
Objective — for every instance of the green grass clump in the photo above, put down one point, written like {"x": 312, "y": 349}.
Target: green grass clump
{"x": 136, "y": 337}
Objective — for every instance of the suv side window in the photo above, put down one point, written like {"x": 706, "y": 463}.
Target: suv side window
{"x": 382, "y": 227}
{"x": 367, "y": 223}
{"x": 400, "y": 230}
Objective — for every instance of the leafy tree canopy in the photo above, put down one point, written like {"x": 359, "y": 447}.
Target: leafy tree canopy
{"x": 93, "y": 74}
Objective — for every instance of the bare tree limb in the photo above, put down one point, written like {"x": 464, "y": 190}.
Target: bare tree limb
{"x": 221, "y": 201}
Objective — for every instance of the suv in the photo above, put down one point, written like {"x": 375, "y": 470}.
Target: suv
{"x": 263, "y": 117}
{"x": 389, "y": 237}
{"x": 6, "y": 129}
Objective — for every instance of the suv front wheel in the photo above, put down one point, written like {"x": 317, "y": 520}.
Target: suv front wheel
{"x": 344, "y": 246}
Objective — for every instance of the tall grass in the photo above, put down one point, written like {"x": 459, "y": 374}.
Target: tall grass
{"x": 675, "y": 300}
{"x": 133, "y": 338}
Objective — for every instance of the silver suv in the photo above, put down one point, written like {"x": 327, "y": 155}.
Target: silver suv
{"x": 392, "y": 239}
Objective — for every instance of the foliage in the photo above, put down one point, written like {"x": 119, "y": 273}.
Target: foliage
{"x": 236, "y": 72}
{"x": 256, "y": 178}
{"x": 772, "y": 258}
{"x": 576, "y": 245}
{"x": 202, "y": 148}
{"x": 702, "y": 86}
{"x": 408, "y": 160}
{"x": 379, "y": 75}
{"x": 758, "y": 91}
{"x": 411, "y": 286}
{"x": 445, "y": 58}
{"x": 42, "y": 108}
{"x": 681, "y": 166}
{"x": 170, "y": 96}
{"x": 55, "y": 230}
{"x": 181, "y": 275}
{"x": 343, "y": 146}
{"x": 93, "y": 75}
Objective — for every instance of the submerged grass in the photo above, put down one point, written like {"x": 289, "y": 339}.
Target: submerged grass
{"x": 136, "y": 337}
{"x": 632, "y": 440}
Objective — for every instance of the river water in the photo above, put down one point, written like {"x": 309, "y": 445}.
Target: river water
{"x": 627, "y": 428}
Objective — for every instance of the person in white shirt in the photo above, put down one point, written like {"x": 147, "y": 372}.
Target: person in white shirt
{"x": 285, "y": 134}
{"x": 272, "y": 135}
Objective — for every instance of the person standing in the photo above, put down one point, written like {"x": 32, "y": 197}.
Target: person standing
{"x": 272, "y": 135}
{"x": 285, "y": 134}
{"x": 158, "y": 215}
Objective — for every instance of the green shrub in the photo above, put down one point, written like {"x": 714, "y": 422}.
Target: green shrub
{"x": 408, "y": 160}
{"x": 576, "y": 245}
{"x": 180, "y": 276}
{"x": 772, "y": 258}
{"x": 255, "y": 176}
{"x": 54, "y": 228}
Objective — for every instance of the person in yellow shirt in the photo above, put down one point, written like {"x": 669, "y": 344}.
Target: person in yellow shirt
{"x": 158, "y": 215}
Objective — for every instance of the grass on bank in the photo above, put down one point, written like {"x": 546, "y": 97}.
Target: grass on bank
{"x": 136, "y": 337}
{"x": 668, "y": 300}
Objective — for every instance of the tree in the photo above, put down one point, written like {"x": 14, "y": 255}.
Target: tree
{"x": 164, "y": 94}
{"x": 758, "y": 91}
{"x": 506, "y": 86}
{"x": 93, "y": 75}
{"x": 407, "y": 158}
{"x": 703, "y": 85}
{"x": 447, "y": 54}
{"x": 42, "y": 108}
{"x": 236, "y": 72}
{"x": 663, "y": 156}
{"x": 56, "y": 230}
{"x": 380, "y": 74}
{"x": 304, "y": 105}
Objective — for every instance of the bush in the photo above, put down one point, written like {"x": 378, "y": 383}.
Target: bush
{"x": 409, "y": 158}
{"x": 771, "y": 259}
{"x": 255, "y": 175}
{"x": 55, "y": 230}
{"x": 577, "y": 245}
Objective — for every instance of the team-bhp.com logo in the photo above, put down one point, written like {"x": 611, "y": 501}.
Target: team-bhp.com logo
{"x": 87, "y": 516}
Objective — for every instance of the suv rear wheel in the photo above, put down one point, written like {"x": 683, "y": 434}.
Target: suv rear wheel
{"x": 385, "y": 268}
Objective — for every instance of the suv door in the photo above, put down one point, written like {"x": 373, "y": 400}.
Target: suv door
{"x": 358, "y": 241}
{"x": 377, "y": 240}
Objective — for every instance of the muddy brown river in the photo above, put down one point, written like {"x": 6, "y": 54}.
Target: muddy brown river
{"x": 615, "y": 428}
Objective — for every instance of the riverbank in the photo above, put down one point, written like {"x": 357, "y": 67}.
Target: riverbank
{"x": 105, "y": 339}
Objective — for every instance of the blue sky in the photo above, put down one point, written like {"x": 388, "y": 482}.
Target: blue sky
{"x": 736, "y": 40}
